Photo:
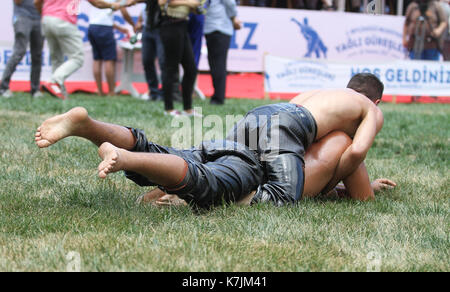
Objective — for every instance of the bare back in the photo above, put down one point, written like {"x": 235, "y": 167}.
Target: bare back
{"x": 338, "y": 110}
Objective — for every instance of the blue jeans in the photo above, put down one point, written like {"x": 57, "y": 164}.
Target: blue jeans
{"x": 430, "y": 54}
{"x": 152, "y": 48}
{"x": 195, "y": 27}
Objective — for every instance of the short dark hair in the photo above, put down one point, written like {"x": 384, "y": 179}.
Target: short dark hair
{"x": 367, "y": 84}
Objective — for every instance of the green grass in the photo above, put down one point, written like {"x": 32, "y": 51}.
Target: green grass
{"x": 52, "y": 203}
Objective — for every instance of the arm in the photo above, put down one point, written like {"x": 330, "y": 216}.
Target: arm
{"x": 139, "y": 24}
{"x": 357, "y": 151}
{"x": 439, "y": 31}
{"x": 358, "y": 186}
{"x": 127, "y": 16}
{"x": 175, "y": 3}
{"x": 121, "y": 29}
{"x": 133, "y": 2}
{"x": 38, "y": 5}
{"x": 231, "y": 10}
{"x": 104, "y": 5}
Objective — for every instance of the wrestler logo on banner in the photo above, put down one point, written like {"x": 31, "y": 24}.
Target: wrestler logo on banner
{"x": 315, "y": 44}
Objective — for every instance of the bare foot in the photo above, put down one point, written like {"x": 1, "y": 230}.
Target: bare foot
{"x": 60, "y": 127}
{"x": 111, "y": 159}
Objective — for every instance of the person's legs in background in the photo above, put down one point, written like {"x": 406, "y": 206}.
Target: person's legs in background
{"x": 195, "y": 28}
{"x": 36, "y": 46}
{"x": 190, "y": 74}
{"x": 172, "y": 37}
{"x": 71, "y": 44}
{"x": 105, "y": 53}
{"x": 22, "y": 29}
{"x": 150, "y": 50}
{"x": 64, "y": 39}
{"x": 98, "y": 73}
{"x": 110, "y": 72}
{"x": 218, "y": 44}
{"x": 97, "y": 65}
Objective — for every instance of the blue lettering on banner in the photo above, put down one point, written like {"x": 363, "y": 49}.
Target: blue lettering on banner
{"x": 373, "y": 40}
{"x": 84, "y": 28}
{"x": 248, "y": 45}
{"x": 376, "y": 71}
{"x": 408, "y": 75}
{"x": 252, "y": 26}
{"x": 5, "y": 56}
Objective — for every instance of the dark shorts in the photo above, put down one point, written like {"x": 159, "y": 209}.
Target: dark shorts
{"x": 217, "y": 172}
{"x": 103, "y": 42}
{"x": 276, "y": 128}
{"x": 280, "y": 134}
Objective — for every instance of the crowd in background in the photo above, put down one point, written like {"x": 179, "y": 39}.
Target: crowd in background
{"x": 172, "y": 33}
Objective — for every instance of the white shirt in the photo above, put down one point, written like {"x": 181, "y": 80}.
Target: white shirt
{"x": 101, "y": 16}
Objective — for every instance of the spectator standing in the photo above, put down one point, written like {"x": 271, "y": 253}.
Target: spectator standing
{"x": 104, "y": 47}
{"x": 59, "y": 18}
{"x": 424, "y": 27}
{"x": 220, "y": 22}
{"x": 27, "y": 29}
{"x": 446, "y": 48}
{"x": 152, "y": 49}
{"x": 173, "y": 23}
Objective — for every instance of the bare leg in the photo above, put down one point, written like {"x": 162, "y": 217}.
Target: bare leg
{"x": 77, "y": 122}
{"x": 110, "y": 71}
{"x": 163, "y": 169}
{"x": 97, "y": 68}
{"x": 321, "y": 160}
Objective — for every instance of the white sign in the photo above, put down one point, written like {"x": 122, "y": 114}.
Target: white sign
{"x": 291, "y": 33}
{"x": 283, "y": 75}
{"x": 295, "y": 33}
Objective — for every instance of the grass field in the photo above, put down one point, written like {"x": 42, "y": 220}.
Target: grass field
{"x": 52, "y": 203}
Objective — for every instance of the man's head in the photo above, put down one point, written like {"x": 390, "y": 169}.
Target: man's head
{"x": 368, "y": 85}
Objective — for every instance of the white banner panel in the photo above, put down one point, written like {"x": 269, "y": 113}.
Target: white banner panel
{"x": 295, "y": 33}
{"x": 283, "y": 75}
{"x": 291, "y": 33}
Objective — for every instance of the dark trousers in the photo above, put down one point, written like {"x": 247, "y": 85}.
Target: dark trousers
{"x": 218, "y": 45}
{"x": 178, "y": 50}
{"x": 195, "y": 26}
{"x": 26, "y": 31}
{"x": 152, "y": 48}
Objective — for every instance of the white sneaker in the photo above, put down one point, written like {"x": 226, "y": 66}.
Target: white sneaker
{"x": 173, "y": 113}
{"x": 192, "y": 114}
{"x": 144, "y": 96}
{"x": 6, "y": 93}
{"x": 37, "y": 94}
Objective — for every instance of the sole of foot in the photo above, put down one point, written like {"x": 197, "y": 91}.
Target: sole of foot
{"x": 60, "y": 127}
{"x": 110, "y": 155}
